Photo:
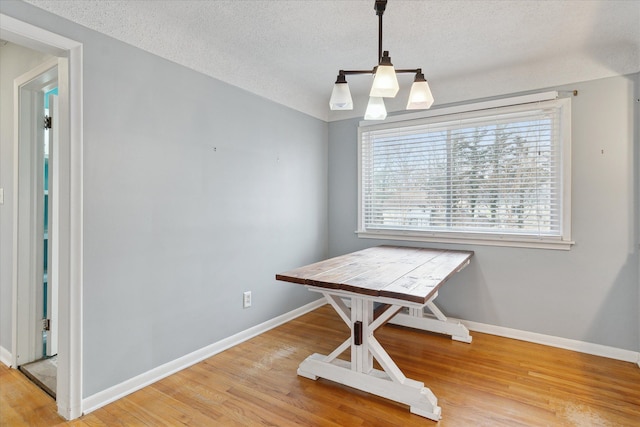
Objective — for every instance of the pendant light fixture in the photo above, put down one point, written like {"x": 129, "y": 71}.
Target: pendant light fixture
{"x": 385, "y": 82}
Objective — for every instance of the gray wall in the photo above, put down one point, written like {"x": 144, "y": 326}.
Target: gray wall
{"x": 194, "y": 191}
{"x": 589, "y": 293}
{"x": 14, "y": 61}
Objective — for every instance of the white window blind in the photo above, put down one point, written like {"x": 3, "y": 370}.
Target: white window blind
{"x": 497, "y": 173}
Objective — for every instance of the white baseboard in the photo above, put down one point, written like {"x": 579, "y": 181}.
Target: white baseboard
{"x": 5, "y": 356}
{"x": 568, "y": 344}
{"x": 118, "y": 391}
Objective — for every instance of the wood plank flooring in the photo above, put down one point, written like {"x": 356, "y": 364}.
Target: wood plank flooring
{"x": 492, "y": 382}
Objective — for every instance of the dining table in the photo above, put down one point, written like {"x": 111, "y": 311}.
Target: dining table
{"x": 369, "y": 288}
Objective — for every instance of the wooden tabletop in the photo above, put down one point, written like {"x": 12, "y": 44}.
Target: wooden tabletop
{"x": 410, "y": 274}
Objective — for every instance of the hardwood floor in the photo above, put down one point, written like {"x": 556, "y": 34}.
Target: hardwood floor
{"x": 492, "y": 382}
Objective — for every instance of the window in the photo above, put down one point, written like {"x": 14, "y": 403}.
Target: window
{"x": 495, "y": 175}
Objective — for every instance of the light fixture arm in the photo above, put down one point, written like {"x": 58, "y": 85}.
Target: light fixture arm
{"x": 373, "y": 71}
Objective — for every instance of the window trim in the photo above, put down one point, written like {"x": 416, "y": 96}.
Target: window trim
{"x": 562, "y": 242}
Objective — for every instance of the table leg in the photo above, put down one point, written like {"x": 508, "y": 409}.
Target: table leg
{"x": 434, "y": 322}
{"x": 359, "y": 372}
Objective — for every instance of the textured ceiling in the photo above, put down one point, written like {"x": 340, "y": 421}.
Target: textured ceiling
{"x": 290, "y": 51}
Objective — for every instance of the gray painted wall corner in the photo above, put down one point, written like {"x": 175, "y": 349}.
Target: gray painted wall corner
{"x": 589, "y": 293}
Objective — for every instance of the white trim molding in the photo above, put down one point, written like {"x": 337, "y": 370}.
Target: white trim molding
{"x": 5, "y": 356}
{"x": 553, "y": 341}
{"x": 102, "y": 398}
{"x": 468, "y": 239}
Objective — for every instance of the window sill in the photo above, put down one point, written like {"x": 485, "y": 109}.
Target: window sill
{"x": 470, "y": 239}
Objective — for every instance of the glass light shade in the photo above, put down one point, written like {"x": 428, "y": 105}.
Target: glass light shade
{"x": 420, "y": 97}
{"x": 385, "y": 82}
{"x": 341, "y": 97}
{"x": 375, "y": 109}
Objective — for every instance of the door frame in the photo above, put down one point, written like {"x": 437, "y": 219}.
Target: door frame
{"x": 70, "y": 218}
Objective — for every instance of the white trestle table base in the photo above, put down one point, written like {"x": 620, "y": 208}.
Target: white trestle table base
{"x": 402, "y": 282}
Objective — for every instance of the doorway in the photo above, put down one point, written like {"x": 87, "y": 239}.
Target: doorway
{"x": 37, "y": 273}
{"x": 68, "y": 53}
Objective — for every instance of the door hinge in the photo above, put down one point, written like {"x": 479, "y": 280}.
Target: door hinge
{"x": 47, "y": 122}
{"x": 46, "y": 324}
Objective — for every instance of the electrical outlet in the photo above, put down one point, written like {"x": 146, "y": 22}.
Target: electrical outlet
{"x": 246, "y": 299}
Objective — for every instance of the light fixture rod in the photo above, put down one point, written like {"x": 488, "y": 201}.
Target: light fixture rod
{"x": 379, "y": 7}
{"x": 379, "y": 36}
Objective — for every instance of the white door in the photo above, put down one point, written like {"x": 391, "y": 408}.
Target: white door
{"x": 31, "y": 243}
